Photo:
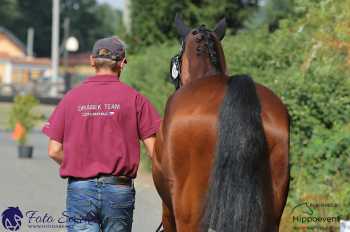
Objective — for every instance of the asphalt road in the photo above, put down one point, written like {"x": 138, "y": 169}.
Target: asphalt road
{"x": 34, "y": 185}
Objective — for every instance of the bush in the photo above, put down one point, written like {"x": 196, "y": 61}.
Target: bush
{"x": 22, "y": 113}
{"x": 148, "y": 72}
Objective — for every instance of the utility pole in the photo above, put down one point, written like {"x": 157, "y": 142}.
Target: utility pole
{"x": 55, "y": 45}
{"x": 67, "y": 76}
{"x": 126, "y": 16}
{"x": 66, "y": 32}
{"x": 30, "y": 40}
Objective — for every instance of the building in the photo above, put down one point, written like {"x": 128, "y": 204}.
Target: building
{"x": 16, "y": 68}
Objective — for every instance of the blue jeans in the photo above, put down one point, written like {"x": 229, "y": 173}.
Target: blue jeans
{"x": 94, "y": 206}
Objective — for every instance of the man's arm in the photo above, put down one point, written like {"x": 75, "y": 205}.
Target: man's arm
{"x": 149, "y": 144}
{"x": 56, "y": 151}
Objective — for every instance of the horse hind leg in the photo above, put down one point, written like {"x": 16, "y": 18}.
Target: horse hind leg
{"x": 168, "y": 220}
{"x": 280, "y": 179}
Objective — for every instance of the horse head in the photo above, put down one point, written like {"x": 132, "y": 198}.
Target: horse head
{"x": 201, "y": 53}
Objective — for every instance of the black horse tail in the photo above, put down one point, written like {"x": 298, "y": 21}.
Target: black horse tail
{"x": 236, "y": 196}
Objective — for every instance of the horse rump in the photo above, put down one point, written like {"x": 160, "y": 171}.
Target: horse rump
{"x": 236, "y": 198}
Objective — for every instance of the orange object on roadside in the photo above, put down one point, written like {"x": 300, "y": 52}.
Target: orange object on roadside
{"x": 19, "y": 131}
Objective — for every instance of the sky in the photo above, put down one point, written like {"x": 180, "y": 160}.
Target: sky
{"x": 115, "y": 3}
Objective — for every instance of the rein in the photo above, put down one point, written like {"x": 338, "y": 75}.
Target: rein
{"x": 159, "y": 229}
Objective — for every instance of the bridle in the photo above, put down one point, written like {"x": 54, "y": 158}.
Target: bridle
{"x": 175, "y": 67}
{"x": 201, "y": 33}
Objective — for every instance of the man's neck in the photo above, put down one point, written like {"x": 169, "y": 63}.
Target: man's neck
{"x": 107, "y": 72}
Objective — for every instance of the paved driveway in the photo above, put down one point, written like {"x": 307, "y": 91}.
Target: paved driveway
{"x": 34, "y": 184}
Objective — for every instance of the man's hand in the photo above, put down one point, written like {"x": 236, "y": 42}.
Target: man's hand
{"x": 149, "y": 144}
{"x": 56, "y": 151}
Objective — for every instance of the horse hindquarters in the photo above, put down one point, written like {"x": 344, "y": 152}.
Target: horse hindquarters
{"x": 240, "y": 183}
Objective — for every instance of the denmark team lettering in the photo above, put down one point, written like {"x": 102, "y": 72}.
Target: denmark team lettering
{"x": 98, "y": 109}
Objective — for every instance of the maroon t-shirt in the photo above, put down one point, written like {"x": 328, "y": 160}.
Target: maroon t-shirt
{"x": 100, "y": 123}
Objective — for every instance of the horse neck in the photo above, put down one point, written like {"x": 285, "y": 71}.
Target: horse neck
{"x": 222, "y": 59}
{"x": 202, "y": 69}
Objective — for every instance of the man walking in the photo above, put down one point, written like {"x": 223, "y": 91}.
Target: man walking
{"x": 94, "y": 136}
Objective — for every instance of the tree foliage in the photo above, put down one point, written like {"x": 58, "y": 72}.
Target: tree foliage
{"x": 152, "y": 20}
{"x": 7, "y": 11}
{"x": 88, "y": 21}
{"x": 270, "y": 13}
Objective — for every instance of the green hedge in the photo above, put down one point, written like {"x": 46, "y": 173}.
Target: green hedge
{"x": 148, "y": 72}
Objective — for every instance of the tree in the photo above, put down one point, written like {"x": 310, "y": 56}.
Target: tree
{"x": 270, "y": 14}
{"x": 8, "y": 12}
{"x": 88, "y": 21}
{"x": 152, "y": 20}
{"x": 36, "y": 14}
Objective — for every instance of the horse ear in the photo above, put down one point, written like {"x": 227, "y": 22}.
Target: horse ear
{"x": 220, "y": 29}
{"x": 181, "y": 27}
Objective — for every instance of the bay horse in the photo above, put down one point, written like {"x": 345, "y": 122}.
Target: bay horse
{"x": 221, "y": 156}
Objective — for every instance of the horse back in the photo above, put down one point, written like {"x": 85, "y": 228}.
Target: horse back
{"x": 190, "y": 120}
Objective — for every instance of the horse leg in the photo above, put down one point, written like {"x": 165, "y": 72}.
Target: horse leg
{"x": 280, "y": 178}
{"x": 186, "y": 227}
{"x": 276, "y": 123}
{"x": 189, "y": 200}
{"x": 188, "y": 214}
{"x": 162, "y": 183}
{"x": 163, "y": 187}
{"x": 168, "y": 220}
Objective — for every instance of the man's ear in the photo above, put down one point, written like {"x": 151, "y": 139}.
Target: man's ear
{"x": 122, "y": 63}
{"x": 92, "y": 62}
